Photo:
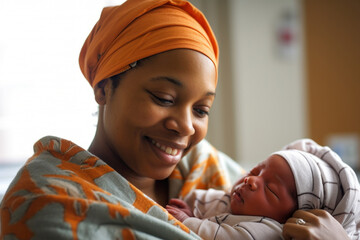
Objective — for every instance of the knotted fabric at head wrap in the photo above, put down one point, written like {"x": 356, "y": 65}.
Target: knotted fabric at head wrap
{"x": 324, "y": 181}
{"x": 141, "y": 28}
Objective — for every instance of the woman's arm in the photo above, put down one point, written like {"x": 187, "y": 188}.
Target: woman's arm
{"x": 319, "y": 224}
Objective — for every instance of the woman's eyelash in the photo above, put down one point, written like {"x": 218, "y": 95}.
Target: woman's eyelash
{"x": 169, "y": 102}
{"x": 161, "y": 100}
{"x": 202, "y": 112}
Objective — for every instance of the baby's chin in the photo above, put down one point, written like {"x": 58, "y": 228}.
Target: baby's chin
{"x": 236, "y": 208}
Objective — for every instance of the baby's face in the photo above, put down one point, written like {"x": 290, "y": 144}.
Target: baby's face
{"x": 267, "y": 190}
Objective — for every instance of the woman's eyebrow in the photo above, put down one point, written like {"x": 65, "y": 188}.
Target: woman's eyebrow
{"x": 177, "y": 83}
{"x": 169, "y": 79}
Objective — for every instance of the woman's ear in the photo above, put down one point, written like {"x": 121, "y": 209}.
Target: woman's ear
{"x": 101, "y": 90}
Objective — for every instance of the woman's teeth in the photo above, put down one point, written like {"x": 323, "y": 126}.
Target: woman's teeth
{"x": 168, "y": 150}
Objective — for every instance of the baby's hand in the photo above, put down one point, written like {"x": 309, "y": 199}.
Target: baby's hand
{"x": 179, "y": 209}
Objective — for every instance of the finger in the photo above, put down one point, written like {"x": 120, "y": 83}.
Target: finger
{"x": 287, "y": 232}
{"x": 311, "y": 213}
{"x": 169, "y": 207}
{"x": 172, "y": 211}
{"x": 292, "y": 220}
{"x": 297, "y": 222}
{"x": 180, "y": 203}
{"x": 177, "y": 202}
{"x": 173, "y": 201}
{"x": 300, "y": 213}
{"x": 291, "y": 230}
{"x": 308, "y": 216}
{"x": 319, "y": 212}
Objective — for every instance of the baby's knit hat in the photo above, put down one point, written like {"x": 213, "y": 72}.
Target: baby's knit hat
{"x": 324, "y": 181}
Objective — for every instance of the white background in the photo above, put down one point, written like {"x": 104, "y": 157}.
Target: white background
{"x": 42, "y": 90}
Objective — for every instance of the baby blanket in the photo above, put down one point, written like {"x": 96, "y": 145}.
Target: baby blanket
{"x": 213, "y": 219}
{"x": 326, "y": 182}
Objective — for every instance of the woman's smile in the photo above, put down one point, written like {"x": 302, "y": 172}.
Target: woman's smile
{"x": 169, "y": 152}
{"x": 166, "y": 149}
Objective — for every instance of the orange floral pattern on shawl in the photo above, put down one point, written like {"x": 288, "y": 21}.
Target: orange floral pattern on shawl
{"x": 64, "y": 187}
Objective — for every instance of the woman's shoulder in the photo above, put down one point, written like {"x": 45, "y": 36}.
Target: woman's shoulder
{"x": 51, "y": 150}
{"x": 54, "y": 156}
{"x": 205, "y": 150}
{"x": 204, "y": 167}
{"x": 58, "y": 146}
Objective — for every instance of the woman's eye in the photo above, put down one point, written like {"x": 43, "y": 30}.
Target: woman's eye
{"x": 164, "y": 101}
{"x": 201, "y": 113}
{"x": 161, "y": 100}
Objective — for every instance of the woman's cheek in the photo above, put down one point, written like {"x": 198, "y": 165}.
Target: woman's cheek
{"x": 148, "y": 114}
{"x": 201, "y": 127}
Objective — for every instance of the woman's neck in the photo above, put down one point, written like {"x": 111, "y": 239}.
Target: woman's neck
{"x": 155, "y": 189}
{"x": 158, "y": 190}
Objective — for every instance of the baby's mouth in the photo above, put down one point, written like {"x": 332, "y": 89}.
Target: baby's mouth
{"x": 238, "y": 195}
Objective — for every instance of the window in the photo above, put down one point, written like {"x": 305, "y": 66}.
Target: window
{"x": 42, "y": 90}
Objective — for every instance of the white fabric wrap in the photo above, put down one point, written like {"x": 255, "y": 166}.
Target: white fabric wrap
{"x": 324, "y": 181}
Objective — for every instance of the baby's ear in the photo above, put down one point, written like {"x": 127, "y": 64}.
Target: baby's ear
{"x": 101, "y": 90}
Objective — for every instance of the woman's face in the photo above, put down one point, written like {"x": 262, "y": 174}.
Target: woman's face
{"x": 267, "y": 190}
{"x": 158, "y": 112}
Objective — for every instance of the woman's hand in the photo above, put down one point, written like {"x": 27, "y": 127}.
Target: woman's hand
{"x": 179, "y": 209}
{"x": 319, "y": 224}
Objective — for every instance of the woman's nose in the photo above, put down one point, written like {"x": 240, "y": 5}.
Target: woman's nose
{"x": 252, "y": 182}
{"x": 181, "y": 122}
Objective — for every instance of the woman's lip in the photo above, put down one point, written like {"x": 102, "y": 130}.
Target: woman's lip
{"x": 168, "y": 154}
{"x": 166, "y": 149}
{"x": 171, "y": 148}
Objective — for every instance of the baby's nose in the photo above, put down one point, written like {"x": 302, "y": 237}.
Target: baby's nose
{"x": 251, "y": 181}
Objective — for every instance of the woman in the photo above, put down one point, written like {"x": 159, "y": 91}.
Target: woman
{"x": 153, "y": 67}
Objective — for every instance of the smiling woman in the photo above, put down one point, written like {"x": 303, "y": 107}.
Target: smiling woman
{"x": 153, "y": 69}
{"x": 173, "y": 119}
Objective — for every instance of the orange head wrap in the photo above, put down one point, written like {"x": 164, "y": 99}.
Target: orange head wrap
{"x": 141, "y": 28}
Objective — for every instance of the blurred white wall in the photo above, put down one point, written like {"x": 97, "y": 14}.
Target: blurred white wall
{"x": 42, "y": 91}
{"x": 260, "y": 102}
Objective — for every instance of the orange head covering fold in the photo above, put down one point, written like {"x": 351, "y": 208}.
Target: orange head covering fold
{"x": 141, "y": 28}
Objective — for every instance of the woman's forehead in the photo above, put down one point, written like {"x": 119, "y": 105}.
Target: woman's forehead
{"x": 179, "y": 66}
